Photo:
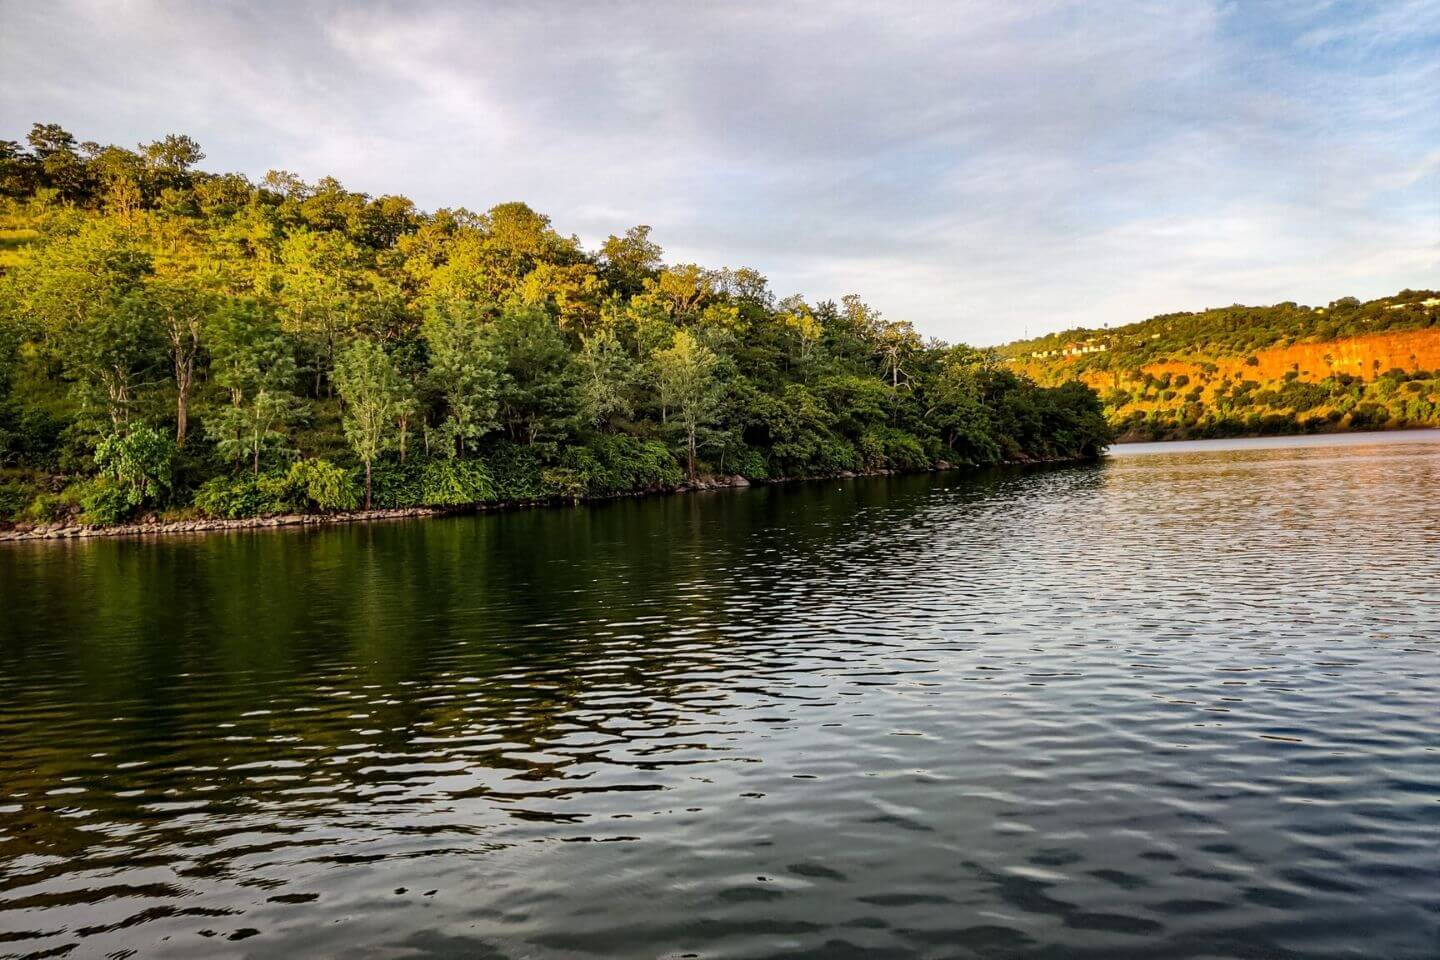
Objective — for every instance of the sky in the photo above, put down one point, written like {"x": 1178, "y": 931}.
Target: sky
{"x": 983, "y": 170}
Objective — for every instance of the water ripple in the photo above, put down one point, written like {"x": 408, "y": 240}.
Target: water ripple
{"x": 1173, "y": 705}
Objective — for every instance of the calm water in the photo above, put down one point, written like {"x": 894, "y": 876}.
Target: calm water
{"x": 1183, "y": 704}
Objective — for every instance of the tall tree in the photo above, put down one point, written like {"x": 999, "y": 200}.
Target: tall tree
{"x": 180, "y": 305}
{"x": 85, "y": 295}
{"x": 607, "y": 375}
{"x": 372, "y": 391}
{"x": 320, "y": 278}
{"x": 537, "y": 396}
{"x": 689, "y": 387}
{"x": 255, "y": 364}
{"x": 465, "y": 370}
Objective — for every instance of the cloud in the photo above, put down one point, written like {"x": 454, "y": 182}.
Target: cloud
{"x": 980, "y": 169}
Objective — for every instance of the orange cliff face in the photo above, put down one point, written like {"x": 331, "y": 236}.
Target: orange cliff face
{"x": 1365, "y": 356}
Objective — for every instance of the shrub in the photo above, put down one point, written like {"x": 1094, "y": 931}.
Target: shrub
{"x": 47, "y": 508}
{"x": 233, "y": 498}
{"x": 432, "y": 483}
{"x": 516, "y": 471}
{"x": 566, "y": 483}
{"x": 138, "y": 464}
{"x": 13, "y": 498}
{"x": 105, "y": 501}
{"x": 903, "y": 451}
{"x": 319, "y": 485}
{"x": 610, "y": 464}
{"x": 446, "y": 483}
{"x": 748, "y": 463}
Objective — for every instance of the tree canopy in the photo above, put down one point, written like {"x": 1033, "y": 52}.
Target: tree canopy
{"x": 301, "y": 345}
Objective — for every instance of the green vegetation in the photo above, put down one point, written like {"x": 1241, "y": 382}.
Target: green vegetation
{"x": 176, "y": 341}
{"x": 1235, "y": 330}
{"x": 1348, "y": 366}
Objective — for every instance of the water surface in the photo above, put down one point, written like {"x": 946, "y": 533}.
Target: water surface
{"x": 1174, "y": 705}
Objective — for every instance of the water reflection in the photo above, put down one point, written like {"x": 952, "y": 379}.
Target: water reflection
{"x": 1173, "y": 705}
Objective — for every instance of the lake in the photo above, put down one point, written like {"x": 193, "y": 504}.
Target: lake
{"x": 1180, "y": 703}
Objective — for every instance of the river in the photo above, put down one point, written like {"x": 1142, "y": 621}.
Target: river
{"x": 1179, "y": 703}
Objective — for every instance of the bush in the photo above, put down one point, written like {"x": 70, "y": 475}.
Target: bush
{"x": 321, "y": 486}
{"x": 565, "y": 483}
{"x": 309, "y": 486}
{"x": 47, "y": 508}
{"x": 453, "y": 483}
{"x": 13, "y": 498}
{"x": 748, "y": 463}
{"x": 612, "y": 464}
{"x": 517, "y": 471}
{"x": 432, "y": 483}
{"x": 233, "y": 498}
{"x": 903, "y": 451}
{"x": 105, "y": 501}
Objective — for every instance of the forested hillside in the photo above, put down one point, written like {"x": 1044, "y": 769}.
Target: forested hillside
{"x": 1256, "y": 370}
{"x": 186, "y": 342}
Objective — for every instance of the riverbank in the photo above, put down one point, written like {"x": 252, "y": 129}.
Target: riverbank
{"x": 155, "y": 525}
{"x": 1140, "y": 436}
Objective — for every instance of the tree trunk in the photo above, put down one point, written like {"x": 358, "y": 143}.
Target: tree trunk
{"x": 367, "y": 484}
{"x": 182, "y": 406}
{"x": 690, "y": 452}
{"x": 183, "y": 351}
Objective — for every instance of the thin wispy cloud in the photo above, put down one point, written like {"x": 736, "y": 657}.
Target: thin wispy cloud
{"x": 980, "y": 169}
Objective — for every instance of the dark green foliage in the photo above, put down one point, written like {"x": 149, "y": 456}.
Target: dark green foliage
{"x": 610, "y": 464}
{"x": 443, "y": 482}
{"x": 15, "y": 496}
{"x": 171, "y": 338}
{"x": 136, "y": 468}
{"x": 309, "y": 486}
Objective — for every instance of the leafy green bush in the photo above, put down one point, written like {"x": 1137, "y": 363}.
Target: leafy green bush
{"x": 309, "y": 486}
{"x": 447, "y": 483}
{"x": 233, "y": 498}
{"x": 607, "y": 465}
{"x": 748, "y": 463}
{"x": 903, "y": 451}
{"x": 14, "y": 496}
{"x": 565, "y": 483}
{"x": 138, "y": 464}
{"x": 517, "y": 471}
{"x": 106, "y": 501}
{"x": 432, "y": 483}
{"x": 319, "y": 485}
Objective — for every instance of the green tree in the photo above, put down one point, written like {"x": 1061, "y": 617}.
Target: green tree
{"x": 606, "y": 377}
{"x": 630, "y": 260}
{"x": 465, "y": 370}
{"x": 255, "y": 364}
{"x": 320, "y": 278}
{"x": 372, "y": 390}
{"x": 140, "y": 461}
{"x": 179, "y": 306}
{"x": 538, "y": 402}
{"x": 689, "y": 387}
{"x": 85, "y": 297}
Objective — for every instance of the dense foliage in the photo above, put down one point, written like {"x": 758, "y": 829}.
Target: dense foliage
{"x": 172, "y": 339}
{"x": 1236, "y": 330}
{"x": 1256, "y": 370}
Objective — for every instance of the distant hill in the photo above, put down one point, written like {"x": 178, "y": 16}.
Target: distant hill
{"x": 1237, "y": 371}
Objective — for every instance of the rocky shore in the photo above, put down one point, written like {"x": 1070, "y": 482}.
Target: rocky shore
{"x": 154, "y": 525}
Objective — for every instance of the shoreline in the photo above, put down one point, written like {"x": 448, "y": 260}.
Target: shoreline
{"x": 1330, "y": 431}
{"x": 158, "y": 528}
